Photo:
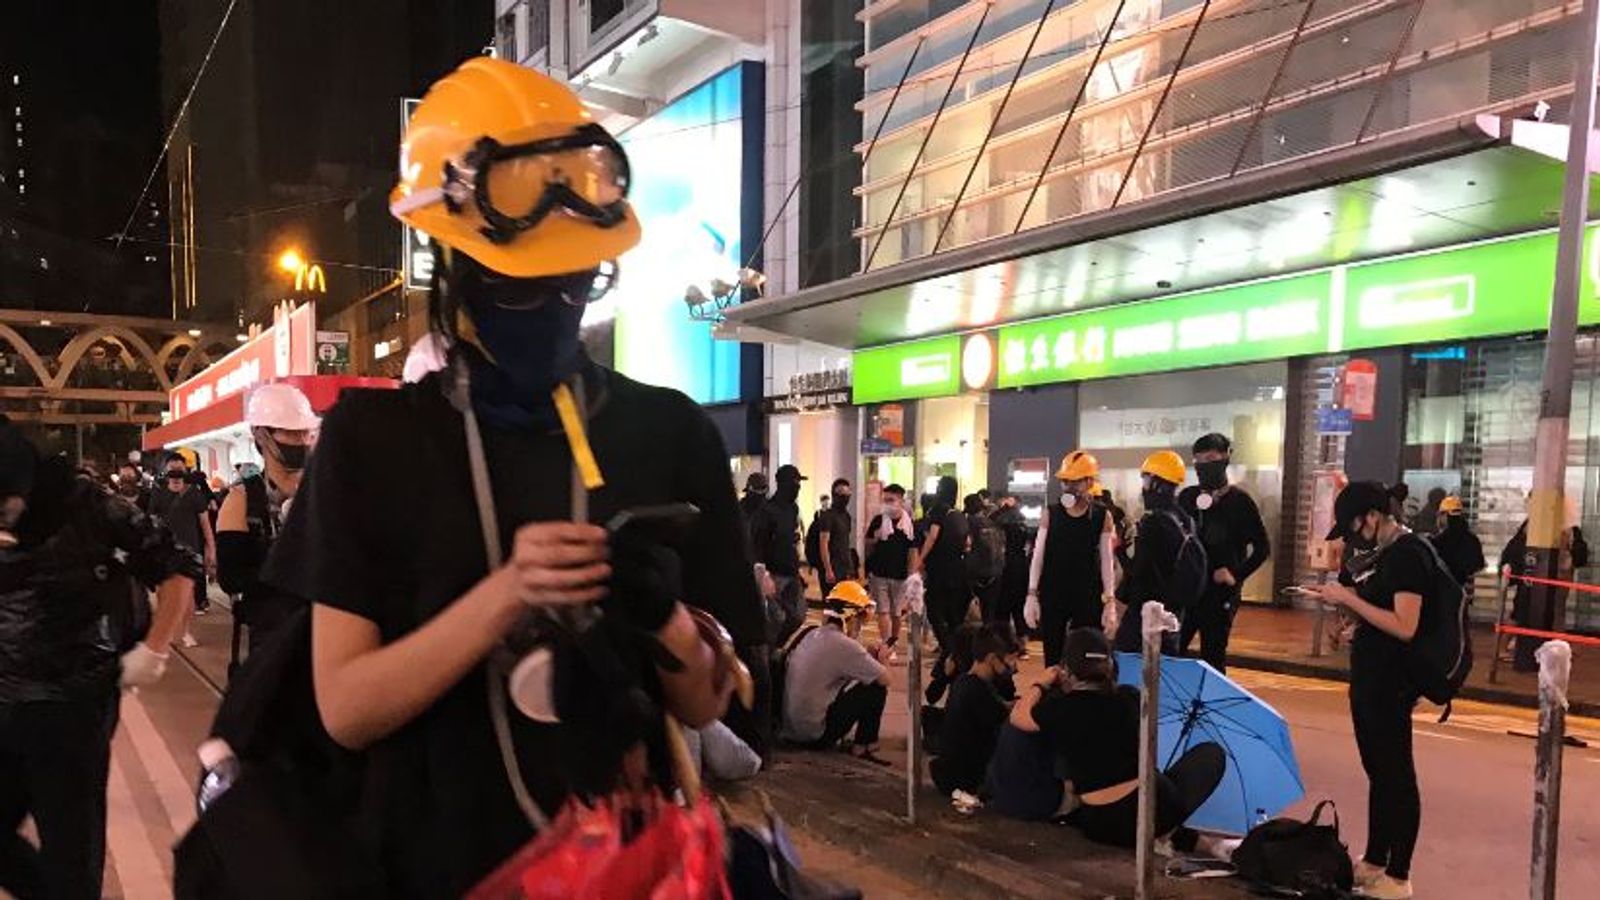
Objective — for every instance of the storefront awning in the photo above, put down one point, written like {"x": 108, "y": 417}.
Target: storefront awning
{"x": 1447, "y": 184}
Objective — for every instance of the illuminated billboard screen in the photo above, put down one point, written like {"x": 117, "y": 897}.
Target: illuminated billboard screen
{"x": 690, "y": 170}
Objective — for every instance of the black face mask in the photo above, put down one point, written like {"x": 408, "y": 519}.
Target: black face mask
{"x": 1213, "y": 475}
{"x": 841, "y": 502}
{"x": 1359, "y": 542}
{"x": 786, "y": 493}
{"x": 1158, "y": 495}
{"x": 293, "y": 456}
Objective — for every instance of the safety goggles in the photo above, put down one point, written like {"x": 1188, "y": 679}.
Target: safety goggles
{"x": 514, "y": 187}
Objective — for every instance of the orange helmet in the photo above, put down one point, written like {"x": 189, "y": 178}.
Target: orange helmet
{"x": 1078, "y": 465}
{"x": 507, "y": 166}
{"x": 847, "y": 599}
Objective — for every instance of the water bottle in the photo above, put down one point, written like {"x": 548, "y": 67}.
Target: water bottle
{"x": 219, "y": 769}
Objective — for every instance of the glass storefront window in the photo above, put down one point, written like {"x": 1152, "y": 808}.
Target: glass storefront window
{"x": 953, "y": 439}
{"x": 1123, "y": 420}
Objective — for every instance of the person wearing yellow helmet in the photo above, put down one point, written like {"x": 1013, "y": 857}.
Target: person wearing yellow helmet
{"x": 1458, "y": 546}
{"x": 1073, "y": 576}
{"x": 834, "y": 689}
{"x": 1169, "y": 562}
{"x": 523, "y": 442}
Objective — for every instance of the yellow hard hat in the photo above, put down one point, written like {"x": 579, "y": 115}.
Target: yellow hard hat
{"x": 507, "y": 166}
{"x": 848, "y": 598}
{"x": 1078, "y": 465}
{"x": 1165, "y": 465}
{"x": 1451, "y": 506}
{"x": 190, "y": 458}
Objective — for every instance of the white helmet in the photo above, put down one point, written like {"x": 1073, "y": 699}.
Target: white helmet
{"x": 280, "y": 406}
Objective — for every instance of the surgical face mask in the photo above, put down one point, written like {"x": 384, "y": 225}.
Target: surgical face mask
{"x": 891, "y": 508}
{"x": 1069, "y": 500}
{"x": 1213, "y": 475}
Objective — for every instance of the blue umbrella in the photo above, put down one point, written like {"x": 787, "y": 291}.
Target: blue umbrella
{"x": 1199, "y": 704}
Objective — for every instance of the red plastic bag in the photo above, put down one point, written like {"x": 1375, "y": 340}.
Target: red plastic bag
{"x": 678, "y": 856}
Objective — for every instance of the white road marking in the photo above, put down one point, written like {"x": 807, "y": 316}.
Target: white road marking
{"x": 132, "y": 852}
{"x": 174, "y": 791}
{"x": 1443, "y": 737}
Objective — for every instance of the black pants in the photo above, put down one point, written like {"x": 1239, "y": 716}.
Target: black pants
{"x": 1180, "y": 790}
{"x": 948, "y": 600}
{"x": 988, "y": 594}
{"x": 1060, "y": 614}
{"x": 55, "y": 759}
{"x": 1014, "y": 595}
{"x": 1212, "y": 620}
{"x": 1380, "y": 709}
{"x": 858, "y": 708}
{"x": 1523, "y": 657}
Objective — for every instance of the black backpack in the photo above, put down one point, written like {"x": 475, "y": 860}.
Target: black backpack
{"x": 814, "y": 535}
{"x": 987, "y": 558}
{"x": 1305, "y": 858}
{"x": 1440, "y": 653}
{"x": 1191, "y": 569}
{"x": 779, "y": 669}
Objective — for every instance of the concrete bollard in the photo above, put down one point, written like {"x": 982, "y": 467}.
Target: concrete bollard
{"x": 1555, "y": 671}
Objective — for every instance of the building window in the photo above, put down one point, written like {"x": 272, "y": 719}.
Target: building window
{"x": 538, "y": 27}
{"x": 602, "y": 12}
{"x": 505, "y": 33}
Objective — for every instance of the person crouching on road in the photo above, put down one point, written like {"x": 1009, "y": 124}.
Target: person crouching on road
{"x": 834, "y": 687}
{"x": 76, "y": 552}
{"x": 283, "y": 425}
{"x": 1235, "y": 538}
{"x": 974, "y": 714}
{"x": 1073, "y": 575}
{"x": 524, "y": 442}
{"x": 1388, "y": 601}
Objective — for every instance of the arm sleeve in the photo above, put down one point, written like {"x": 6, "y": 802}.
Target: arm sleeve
{"x": 328, "y": 551}
{"x": 152, "y": 554}
{"x": 1254, "y": 532}
{"x": 718, "y": 577}
{"x": 1036, "y": 563}
{"x": 1108, "y": 556}
{"x": 239, "y": 558}
{"x": 861, "y": 666}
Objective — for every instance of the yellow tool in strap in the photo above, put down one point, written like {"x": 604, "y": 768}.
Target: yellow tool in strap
{"x": 577, "y": 437}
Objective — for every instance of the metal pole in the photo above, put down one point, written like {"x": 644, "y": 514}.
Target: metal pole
{"x": 1499, "y": 639}
{"x": 1546, "y": 524}
{"x": 1555, "y": 662}
{"x": 1149, "y": 710}
{"x": 1318, "y": 623}
{"x": 914, "y": 707}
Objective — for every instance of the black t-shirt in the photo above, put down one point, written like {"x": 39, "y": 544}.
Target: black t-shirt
{"x": 944, "y": 560}
{"x": 1155, "y": 555}
{"x": 1405, "y": 566}
{"x": 838, "y": 542}
{"x": 1231, "y": 530}
{"x": 1094, "y": 733}
{"x": 890, "y": 556}
{"x": 971, "y": 725}
{"x": 774, "y": 536}
{"x": 368, "y": 536}
{"x": 181, "y": 513}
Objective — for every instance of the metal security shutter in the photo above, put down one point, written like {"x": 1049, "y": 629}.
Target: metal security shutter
{"x": 1314, "y": 382}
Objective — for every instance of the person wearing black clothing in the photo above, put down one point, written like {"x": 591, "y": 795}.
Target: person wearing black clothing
{"x": 1514, "y": 564}
{"x": 82, "y": 556}
{"x": 975, "y": 713}
{"x": 1014, "y": 580}
{"x": 1387, "y": 597}
{"x": 1155, "y": 552}
{"x": 985, "y": 560}
{"x": 1073, "y": 573}
{"x": 1236, "y": 545}
{"x": 943, "y": 559}
{"x": 186, "y": 511}
{"x": 838, "y": 540}
{"x": 130, "y": 486}
{"x": 775, "y": 540}
{"x": 1457, "y": 545}
{"x": 409, "y": 623}
{"x": 755, "y": 496}
{"x": 890, "y": 545}
{"x": 1091, "y": 725}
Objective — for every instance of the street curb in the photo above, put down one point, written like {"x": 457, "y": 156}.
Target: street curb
{"x": 1468, "y": 692}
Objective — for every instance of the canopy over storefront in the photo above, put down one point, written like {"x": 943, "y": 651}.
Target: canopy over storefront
{"x": 1438, "y": 186}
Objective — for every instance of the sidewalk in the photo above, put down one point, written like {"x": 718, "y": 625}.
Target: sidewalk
{"x": 1279, "y": 640}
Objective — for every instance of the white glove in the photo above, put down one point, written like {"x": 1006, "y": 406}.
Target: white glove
{"x": 142, "y": 666}
{"x": 1110, "y": 616}
{"x": 915, "y": 593}
{"x": 1030, "y": 610}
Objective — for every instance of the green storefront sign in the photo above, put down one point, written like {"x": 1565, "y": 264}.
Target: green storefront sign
{"x": 930, "y": 368}
{"x": 1481, "y": 290}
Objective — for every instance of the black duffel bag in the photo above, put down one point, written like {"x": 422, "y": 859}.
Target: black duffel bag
{"x": 1298, "y": 859}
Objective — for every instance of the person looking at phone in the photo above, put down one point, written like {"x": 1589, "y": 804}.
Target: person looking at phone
{"x": 1386, "y": 596}
{"x": 405, "y": 618}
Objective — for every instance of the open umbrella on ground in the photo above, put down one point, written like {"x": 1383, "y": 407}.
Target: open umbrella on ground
{"x": 1199, "y": 704}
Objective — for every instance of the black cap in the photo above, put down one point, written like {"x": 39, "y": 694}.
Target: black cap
{"x": 1085, "y": 652}
{"x": 756, "y": 483}
{"x": 789, "y": 474}
{"x": 1356, "y": 500}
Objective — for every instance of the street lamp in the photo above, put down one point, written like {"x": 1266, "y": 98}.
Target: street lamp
{"x": 291, "y": 261}
{"x": 307, "y": 275}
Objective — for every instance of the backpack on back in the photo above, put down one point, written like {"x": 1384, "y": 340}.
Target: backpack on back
{"x": 1191, "y": 569}
{"x": 1440, "y": 653}
{"x": 987, "y": 558}
{"x": 779, "y": 670}
{"x": 1305, "y": 858}
{"x": 814, "y": 535}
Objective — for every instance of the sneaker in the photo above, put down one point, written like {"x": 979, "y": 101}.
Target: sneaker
{"x": 1366, "y": 873}
{"x": 188, "y": 641}
{"x": 1385, "y": 887}
{"x": 202, "y": 610}
{"x": 964, "y": 803}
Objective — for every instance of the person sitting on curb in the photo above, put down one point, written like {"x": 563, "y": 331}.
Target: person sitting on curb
{"x": 1092, "y": 726}
{"x": 974, "y": 715}
{"x": 833, "y": 686}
